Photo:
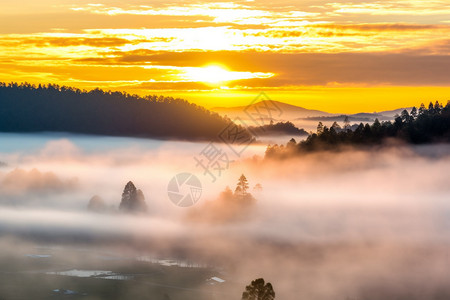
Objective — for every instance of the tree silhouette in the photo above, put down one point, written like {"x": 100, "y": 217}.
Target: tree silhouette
{"x": 431, "y": 108}
{"x": 258, "y": 290}
{"x": 336, "y": 126}
{"x": 346, "y": 123}
{"x": 133, "y": 200}
{"x": 430, "y": 125}
{"x": 413, "y": 113}
{"x": 291, "y": 144}
{"x": 226, "y": 194}
{"x": 242, "y": 186}
{"x": 258, "y": 187}
{"x": 422, "y": 109}
{"x": 96, "y": 204}
{"x": 320, "y": 128}
{"x": 437, "y": 107}
{"x": 405, "y": 116}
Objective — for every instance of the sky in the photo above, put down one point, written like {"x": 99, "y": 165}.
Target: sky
{"x": 337, "y": 56}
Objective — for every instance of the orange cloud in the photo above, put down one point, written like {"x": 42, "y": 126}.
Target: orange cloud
{"x": 314, "y": 68}
{"x": 286, "y": 45}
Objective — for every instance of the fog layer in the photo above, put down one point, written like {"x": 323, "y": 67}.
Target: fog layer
{"x": 363, "y": 224}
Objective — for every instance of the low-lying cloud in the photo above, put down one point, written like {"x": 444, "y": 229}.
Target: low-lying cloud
{"x": 362, "y": 224}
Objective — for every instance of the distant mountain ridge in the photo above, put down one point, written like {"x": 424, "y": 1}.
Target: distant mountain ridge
{"x": 392, "y": 113}
{"x": 288, "y": 111}
{"x": 284, "y": 107}
{"x": 294, "y": 112}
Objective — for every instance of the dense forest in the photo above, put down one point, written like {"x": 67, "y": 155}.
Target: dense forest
{"x": 29, "y": 108}
{"x": 283, "y": 128}
{"x": 419, "y": 126}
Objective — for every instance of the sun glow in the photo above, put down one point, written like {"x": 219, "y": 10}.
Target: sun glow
{"x": 320, "y": 56}
{"x": 215, "y": 74}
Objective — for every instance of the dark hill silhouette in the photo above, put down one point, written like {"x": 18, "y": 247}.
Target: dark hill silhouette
{"x": 284, "y": 107}
{"x": 359, "y": 117}
{"x": 29, "y": 108}
{"x": 288, "y": 111}
{"x": 277, "y": 129}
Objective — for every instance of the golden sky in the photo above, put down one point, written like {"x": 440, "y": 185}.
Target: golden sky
{"x": 338, "y": 56}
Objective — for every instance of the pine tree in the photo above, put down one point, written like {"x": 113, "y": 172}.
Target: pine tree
{"x": 133, "y": 200}
{"x": 422, "y": 109}
{"x": 242, "y": 186}
{"x": 128, "y": 194}
{"x": 346, "y": 123}
{"x": 258, "y": 290}
{"x": 336, "y": 126}
{"x": 405, "y": 116}
{"x": 431, "y": 108}
{"x": 292, "y": 143}
{"x": 437, "y": 107}
{"x": 376, "y": 127}
{"x": 413, "y": 113}
{"x": 319, "y": 128}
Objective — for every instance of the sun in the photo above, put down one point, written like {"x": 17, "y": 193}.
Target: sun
{"x": 219, "y": 74}
{"x": 211, "y": 74}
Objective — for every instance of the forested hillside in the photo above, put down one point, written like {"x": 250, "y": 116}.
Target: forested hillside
{"x": 419, "y": 126}
{"x": 29, "y": 108}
